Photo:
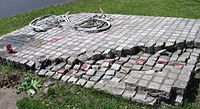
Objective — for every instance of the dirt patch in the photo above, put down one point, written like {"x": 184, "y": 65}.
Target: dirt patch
{"x": 9, "y": 80}
{"x": 8, "y": 98}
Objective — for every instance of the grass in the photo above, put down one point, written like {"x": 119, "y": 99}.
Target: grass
{"x": 26, "y": 103}
{"x": 69, "y": 96}
{"x": 175, "y": 8}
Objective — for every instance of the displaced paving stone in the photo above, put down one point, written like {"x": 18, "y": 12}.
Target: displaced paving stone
{"x": 110, "y": 72}
{"x": 140, "y": 97}
{"x": 99, "y": 85}
{"x": 57, "y": 76}
{"x": 95, "y": 78}
{"x": 179, "y": 100}
{"x": 90, "y": 72}
{"x": 72, "y": 80}
{"x": 125, "y": 70}
{"x": 166, "y": 91}
{"x": 81, "y": 82}
{"x": 137, "y": 67}
{"x": 42, "y": 72}
{"x": 119, "y": 88}
{"x": 65, "y": 78}
{"x": 79, "y": 74}
{"x": 142, "y": 85}
{"x": 128, "y": 94}
{"x": 179, "y": 86}
{"x": 50, "y": 73}
{"x": 105, "y": 65}
{"x": 115, "y": 67}
{"x": 107, "y": 77}
{"x": 89, "y": 84}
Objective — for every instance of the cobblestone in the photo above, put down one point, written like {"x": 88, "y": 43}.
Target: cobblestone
{"x": 139, "y": 61}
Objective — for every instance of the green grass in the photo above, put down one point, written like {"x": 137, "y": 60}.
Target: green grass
{"x": 175, "y": 8}
{"x": 9, "y": 70}
{"x": 69, "y": 96}
{"x": 27, "y": 103}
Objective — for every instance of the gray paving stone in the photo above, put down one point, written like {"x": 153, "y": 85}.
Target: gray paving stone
{"x": 115, "y": 67}
{"x": 179, "y": 86}
{"x": 105, "y": 65}
{"x": 86, "y": 77}
{"x": 57, "y": 76}
{"x": 146, "y": 68}
{"x": 119, "y": 88}
{"x": 42, "y": 72}
{"x": 153, "y": 86}
{"x": 162, "y": 74}
{"x": 95, "y": 67}
{"x": 110, "y": 72}
{"x": 137, "y": 67}
{"x": 65, "y": 78}
{"x": 179, "y": 100}
{"x": 158, "y": 79}
{"x": 90, "y": 72}
{"x": 136, "y": 74}
{"x": 95, "y": 78}
{"x": 115, "y": 79}
{"x": 50, "y": 73}
{"x": 107, "y": 77}
{"x": 128, "y": 94}
{"x": 147, "y": 77}
{"x": 166, "y": 91}
{"x": 158, "y": 67}
{"x": 142, "y": 85}
{"x": 72, "y": 60}
{"x": 109, "y": 87}
{"x": 79, "y": 74}
{"x": 150, "y": 72}
{"x": 99, "y": 85}
{"x": 131, "y": 81}
{"x": 125, "y": 70}
{"x": 81, "y": 82}
{"x": 89, "y": 84}
{"x": 72, "y": 80}
{"x": 128, "y": 65}
{"x": 172, "y": 76}
{"x": 140, "y": 97}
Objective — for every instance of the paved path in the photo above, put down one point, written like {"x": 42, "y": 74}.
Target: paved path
{"x": 12, "y": 7}
{"x": 123, "y": 60}
{"x": 8, "y": 98}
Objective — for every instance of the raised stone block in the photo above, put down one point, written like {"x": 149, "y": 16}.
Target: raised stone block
{"x": 115, "y": 67}
{"x": 128, "y": 94}
{"x": 65, "y": 78}
{"x": 89, "y": 84}
{"x": 81, "y": 82}
{"x": 90, "y": 72}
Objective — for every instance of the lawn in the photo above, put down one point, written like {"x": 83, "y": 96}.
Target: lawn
{"x": 69, "y": 96}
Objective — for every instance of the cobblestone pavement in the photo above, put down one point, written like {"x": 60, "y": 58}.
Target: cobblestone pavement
{"x": 142, "y": 58}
